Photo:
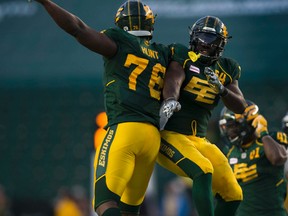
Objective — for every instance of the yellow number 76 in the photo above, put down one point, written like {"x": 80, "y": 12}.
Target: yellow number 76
{"x": 156, "y": 78}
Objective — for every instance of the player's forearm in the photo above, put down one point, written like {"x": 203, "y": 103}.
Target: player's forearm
{"x": 64, "y": 19}
{"x": 85, "y": 35}
{"x": 274, "y": 152}
{"x": 171, "y": 90}
{"x": 234, "y": 102}
{"x": 174, "y": 78}
{"x": 234, "y": 99}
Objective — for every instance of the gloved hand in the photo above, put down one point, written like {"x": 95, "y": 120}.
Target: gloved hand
{"x": 261, "y": 126}
{"x": 168, "y": 107}
{"x": 213, "y": 81}
{"x": 251, "y": 112}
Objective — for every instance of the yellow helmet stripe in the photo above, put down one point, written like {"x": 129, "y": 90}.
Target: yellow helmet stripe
{"x": 129, "y": 12}
{"x": 206, "y": 21}
{"x": 139, "y": 13}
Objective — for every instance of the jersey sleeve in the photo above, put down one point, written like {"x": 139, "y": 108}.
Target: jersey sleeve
{"x": 237, "y": 71}
{"x": 280, "y": 137}
{"x": 178, "y": 53}
{"x": 231, "y": 67}
{"x": 116, "y": 34}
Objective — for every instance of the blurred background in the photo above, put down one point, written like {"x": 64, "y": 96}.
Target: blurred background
{"x": 51, "y": 98}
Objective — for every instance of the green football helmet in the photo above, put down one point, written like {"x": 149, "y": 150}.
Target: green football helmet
{"x": 136, "y": 18}
{"x": 208, "y": 37}
{"x": 236, "y": 128}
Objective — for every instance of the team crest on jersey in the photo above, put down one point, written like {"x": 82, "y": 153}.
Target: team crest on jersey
{"x": 233, "y": 161}
{"x": 194, "y": 69}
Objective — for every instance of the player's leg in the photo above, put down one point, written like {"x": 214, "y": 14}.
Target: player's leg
{"x": 179, "y": 155}
{"x": 105, "y": 200}
{"x": 225, "y": 186}
{"x": 228, "y": 208}
{"x": 115, "y": 161}
{"x": 146, "y": 147}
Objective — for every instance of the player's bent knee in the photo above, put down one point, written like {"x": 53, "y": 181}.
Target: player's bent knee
{"x": 234, "y": 193}
{"x": 194, "y": 170}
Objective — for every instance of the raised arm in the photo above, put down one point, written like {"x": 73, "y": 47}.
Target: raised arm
{"x": 88, "y": 37}
{"x": 275, "y": 152}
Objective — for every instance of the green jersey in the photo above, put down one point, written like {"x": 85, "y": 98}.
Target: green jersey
{"x": 263, "y": 185}
{"x": 133, "y": 79}
{"x": 197, "y": 99}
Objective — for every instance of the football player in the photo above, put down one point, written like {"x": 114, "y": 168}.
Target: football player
{"x": 285, "y": 123}
{"x": 198, "y": 77}
{"x": 285, "y": 130}
{"x": 133, "y": 79}
{"x": 257, "y": 159}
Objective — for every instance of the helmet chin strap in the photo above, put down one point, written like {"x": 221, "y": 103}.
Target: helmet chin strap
{"x": 237, "y": 141}
{"x": 234, "y": 139}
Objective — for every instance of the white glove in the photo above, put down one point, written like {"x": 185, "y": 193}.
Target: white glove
{"x": 213, "y": 81}
{"x": 168, "y": 107}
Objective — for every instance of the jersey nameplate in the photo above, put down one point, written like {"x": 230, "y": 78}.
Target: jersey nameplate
{"x": 149, "y": 52}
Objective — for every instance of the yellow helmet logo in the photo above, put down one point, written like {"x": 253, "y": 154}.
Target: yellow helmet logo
{"x": 149, "y": 14}
{"x": 117, "y": 17}
{"x": 225, "y": 32}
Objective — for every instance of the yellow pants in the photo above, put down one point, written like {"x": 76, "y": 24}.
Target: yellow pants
{"x": 177, "y": 147}
{"x": 124, "y": 162}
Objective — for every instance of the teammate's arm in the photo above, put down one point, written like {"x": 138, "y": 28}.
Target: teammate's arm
{"x": 233, "y": 98}
{"x": 173, "y": 80}
{"x": 93, "y": 40}
{"x": 275, "y": 152}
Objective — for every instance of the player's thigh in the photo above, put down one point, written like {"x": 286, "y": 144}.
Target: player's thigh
{"x": 123, "y": 145}
{"x": 179, "y": 155}
{"x": 224, "y": 182}
{"x": 145, "y": 148}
